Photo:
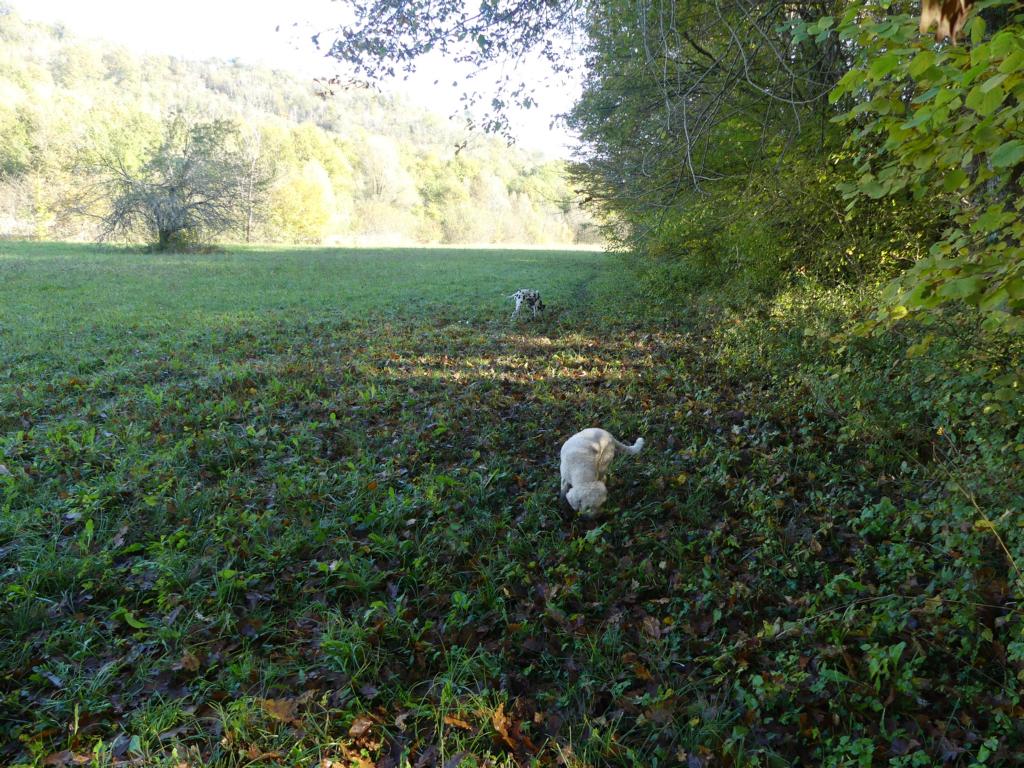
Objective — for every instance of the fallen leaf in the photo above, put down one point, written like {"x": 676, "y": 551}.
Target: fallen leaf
{"x": 284, "y": 710}
{"x": 501, "y": 723}
{"x": 67, "y": 757}
{"x": 660, "y": 714}
{"x": 456, "y": 760}
{"x": 360, "y": 727}
{"x": 427, "y": 759}
{"x": 400, "y": 720}
{"x": 255, "y": 753}
{"x": 5, "y": 472}
{"x": 652, "y": 626}
{"x": 458, "y": 723}
{"x": 54, "y": 680}
{"x": 369, "y": 691}
{"x": 119, "y": 745}
{"x": 190, "y": 663}
{"x": 510, "y": 731}
{"x": 172, "y": 733}
{"x": 903, "y": 746}
{"x": 355, "y": 760}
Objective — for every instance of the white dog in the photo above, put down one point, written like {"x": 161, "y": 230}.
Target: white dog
{"x": 585, "y": 460}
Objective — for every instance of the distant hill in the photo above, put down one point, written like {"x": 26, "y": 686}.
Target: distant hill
{"x": 356, "y": 167}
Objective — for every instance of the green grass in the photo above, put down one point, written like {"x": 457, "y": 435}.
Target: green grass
{"x": 73, "y": 289}
{"x": 292, "y": 506}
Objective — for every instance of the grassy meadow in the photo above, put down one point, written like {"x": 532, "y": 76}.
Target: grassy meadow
{"x": 300, "y": 507}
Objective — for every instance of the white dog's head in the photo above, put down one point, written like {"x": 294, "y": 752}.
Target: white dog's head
{"x": 587, "y": 498}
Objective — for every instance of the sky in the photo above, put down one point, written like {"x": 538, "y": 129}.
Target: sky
{"x": 277, "y": 35}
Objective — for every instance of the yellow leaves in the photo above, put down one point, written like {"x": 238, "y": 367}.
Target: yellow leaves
{"x": 349, "y": 759}
{"x": 502, "y": 725}
{"x": 457, "y": 722}
{"x": 918, "y": 349}
{"x": 509, "y": 730}
{"x": 286, "y": 710}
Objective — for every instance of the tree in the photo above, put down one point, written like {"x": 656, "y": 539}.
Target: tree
{"x": 677, "y": 95}
{"x": 75, "y": 64}
{"x": 259, "y": 171}
{"x": 186, "y": 190}
{"x": 302, "y": 204}
{"x": 947, "y": 15}
{"x": 387, "y": 37}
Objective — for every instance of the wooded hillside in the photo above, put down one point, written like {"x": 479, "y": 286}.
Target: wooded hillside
{"x": 354, "y": 167}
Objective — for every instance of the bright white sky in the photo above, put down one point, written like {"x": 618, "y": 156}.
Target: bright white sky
{"x": 245, "y": 29}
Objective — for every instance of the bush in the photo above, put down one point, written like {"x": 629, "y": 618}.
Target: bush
{"x": 943, "y": 124}
{"x": 780, "y": 225}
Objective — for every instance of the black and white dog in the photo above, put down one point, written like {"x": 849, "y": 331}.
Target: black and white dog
{"x": 528, "y": 297}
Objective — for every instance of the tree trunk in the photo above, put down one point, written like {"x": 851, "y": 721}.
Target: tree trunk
{"x": 165, "y": 239}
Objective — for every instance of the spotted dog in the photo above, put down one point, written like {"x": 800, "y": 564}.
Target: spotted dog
{"x": 529, "y": 298}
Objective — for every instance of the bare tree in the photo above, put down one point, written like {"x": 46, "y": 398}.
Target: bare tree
{"x": 259, "y": 171}
{"x": 188, "y": 191}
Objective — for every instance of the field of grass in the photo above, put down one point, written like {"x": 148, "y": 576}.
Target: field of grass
{"x": 300, "y": 508}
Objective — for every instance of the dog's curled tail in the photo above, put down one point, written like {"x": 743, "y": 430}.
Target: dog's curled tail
{"x": 631, "y": 449}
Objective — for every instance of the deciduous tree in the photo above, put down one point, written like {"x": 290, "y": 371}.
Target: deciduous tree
{"x": 188, "y": 188}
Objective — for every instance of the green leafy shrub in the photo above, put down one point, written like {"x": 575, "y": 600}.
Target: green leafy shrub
{"x": 944, "y": 124}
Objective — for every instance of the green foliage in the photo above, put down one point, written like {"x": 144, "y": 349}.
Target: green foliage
{"x": 779, "y": 225}
{"x": 713, "y": 182}
{"x": 943, "y": 123}
{"x": 665, "y": 113}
